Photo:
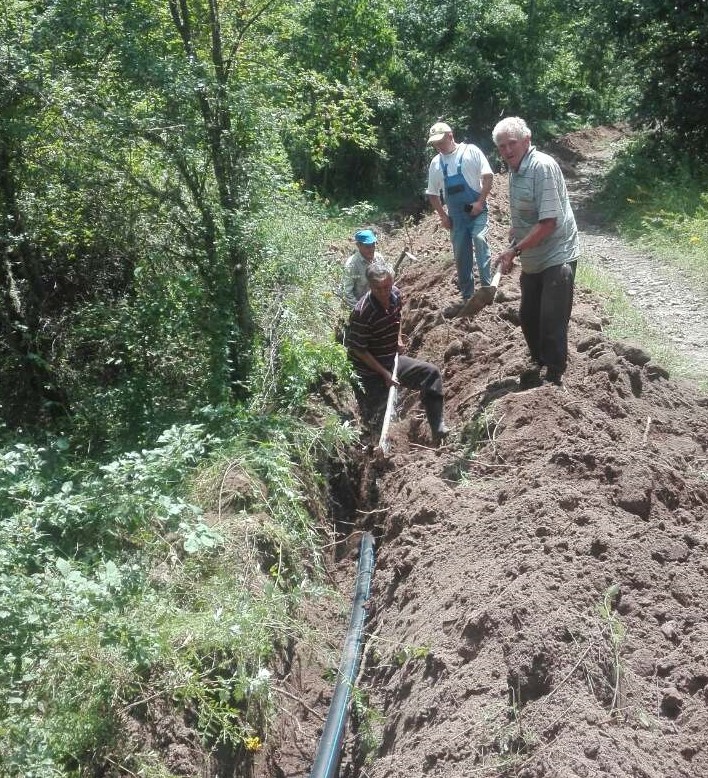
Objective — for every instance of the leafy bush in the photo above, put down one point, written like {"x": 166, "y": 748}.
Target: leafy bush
{"x": 116, "y": 589}
{"x": 71, "y": 545}
{"x": 296, "y": 287}
{"x": 655, "y": 194}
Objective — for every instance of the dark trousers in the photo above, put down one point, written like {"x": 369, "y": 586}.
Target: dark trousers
{"x": 546, "y": 302}
{"x": 412, "y": 373}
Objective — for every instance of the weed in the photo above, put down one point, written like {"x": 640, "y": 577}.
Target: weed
{"x": 614, "y": 632}
{"x": 407, "y": 653}
{"x": 368, "y": 723}
{"x": 386, "y": 654}
{"x": 504, "y": 740}
{"x": 479, "y": 430}
{"x": 515, "y": 740}
{"x": 359, "y": 212}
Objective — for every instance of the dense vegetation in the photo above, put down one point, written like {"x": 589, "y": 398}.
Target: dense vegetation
{"x": 656, "y": 196}
{"x": 170, "y": 173}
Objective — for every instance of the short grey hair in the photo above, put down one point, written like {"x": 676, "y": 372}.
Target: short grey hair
{"x": 378, "y": 270}
{"x": 513, "y": 126}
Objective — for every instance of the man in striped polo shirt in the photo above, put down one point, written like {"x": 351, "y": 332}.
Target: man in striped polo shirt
{"x": 374, "y": 339}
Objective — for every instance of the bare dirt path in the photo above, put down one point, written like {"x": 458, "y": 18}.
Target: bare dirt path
{"x": 673, "y": 304}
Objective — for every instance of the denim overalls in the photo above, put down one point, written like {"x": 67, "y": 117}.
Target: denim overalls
{"x": 467, "y": 230}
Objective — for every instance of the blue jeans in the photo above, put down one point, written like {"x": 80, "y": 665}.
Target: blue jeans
{"x": 470, "y": 233}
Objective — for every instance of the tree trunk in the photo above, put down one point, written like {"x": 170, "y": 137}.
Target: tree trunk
{"x": 34, "y": 389}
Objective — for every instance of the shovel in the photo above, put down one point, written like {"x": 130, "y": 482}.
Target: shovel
{"x": 384, "y": 442}
{"x": 481, "y": 298}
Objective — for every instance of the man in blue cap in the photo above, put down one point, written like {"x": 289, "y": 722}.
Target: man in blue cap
{"x": 354, "y": 282}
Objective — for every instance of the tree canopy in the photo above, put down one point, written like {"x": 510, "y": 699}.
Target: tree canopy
{"x": 144, "y": 145}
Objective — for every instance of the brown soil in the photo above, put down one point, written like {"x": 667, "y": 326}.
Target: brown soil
{"x": 539, "y": 603}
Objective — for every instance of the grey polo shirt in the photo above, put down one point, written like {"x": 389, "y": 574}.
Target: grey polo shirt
{"x": 537, "y": 191}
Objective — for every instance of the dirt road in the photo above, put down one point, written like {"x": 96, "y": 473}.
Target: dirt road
{"x": 675, "y": 306}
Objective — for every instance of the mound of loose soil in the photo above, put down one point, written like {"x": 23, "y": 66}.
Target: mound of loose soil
{"x": 539, "y": 602}
{"x": 541, "y": 581}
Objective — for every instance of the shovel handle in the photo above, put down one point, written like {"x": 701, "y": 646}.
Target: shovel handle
{"x": 384, "y": 444}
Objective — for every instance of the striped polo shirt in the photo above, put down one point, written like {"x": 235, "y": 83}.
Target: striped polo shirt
{"x": 375, "y": 329}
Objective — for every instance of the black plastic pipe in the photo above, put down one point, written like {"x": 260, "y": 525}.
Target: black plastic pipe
{"x": 326, "y": 762}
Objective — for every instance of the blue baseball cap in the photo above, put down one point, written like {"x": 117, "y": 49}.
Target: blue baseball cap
{"x": 366, "y": 237}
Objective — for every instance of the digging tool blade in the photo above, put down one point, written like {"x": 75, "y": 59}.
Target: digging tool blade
{"x": 481, "y": 298}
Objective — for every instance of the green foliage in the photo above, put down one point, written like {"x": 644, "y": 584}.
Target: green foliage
{"x": 341, "y": 55}
{"x": 656, "y": 194}
{"x": 475, "y": 62}
{"x": 148, "y": 354}
{"x": 303, "y": 364}
{"x": 65, "y": 628}
{"x": 667, "y": 42}
{"x": 154, "y": 229}
{"x": 157, "y": 126}
{"x": 96, "y": 507}
{"x": 407, "y": 653}
{"x": 112, "y": 591}
{"x": 369, "y": 724}
{"x": 296, "y": 287}
{"x": 479, "y": 431}
{"x": 116, "y": 590}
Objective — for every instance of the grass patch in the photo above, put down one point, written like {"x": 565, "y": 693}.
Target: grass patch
{"x": 627, "y": 323}
{"x": 656, "y": 196}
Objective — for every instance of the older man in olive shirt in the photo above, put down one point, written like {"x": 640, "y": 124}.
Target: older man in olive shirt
{"x": 545, "y": 239}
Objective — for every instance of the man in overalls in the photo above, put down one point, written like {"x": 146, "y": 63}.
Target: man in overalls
{"x": 459, "y": 179}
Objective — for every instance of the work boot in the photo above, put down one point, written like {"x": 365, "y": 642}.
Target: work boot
{"x": 434, "y": 411}
{"x": 554, "y": 376}
{"x": 453, "y": 309}
{"x": 530, "y": 376}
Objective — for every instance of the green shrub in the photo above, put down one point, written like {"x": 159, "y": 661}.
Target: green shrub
{"x": 656, "y": 195}
{"x": 117, "y": 589}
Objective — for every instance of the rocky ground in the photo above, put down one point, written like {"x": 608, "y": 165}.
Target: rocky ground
{"x": 539, "y": 599}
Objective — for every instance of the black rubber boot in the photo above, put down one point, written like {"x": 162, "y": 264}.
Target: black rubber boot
{"x": 434, "y": 411}
{"x": 554, "y": 376}
{"x": 530, "y": 376}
